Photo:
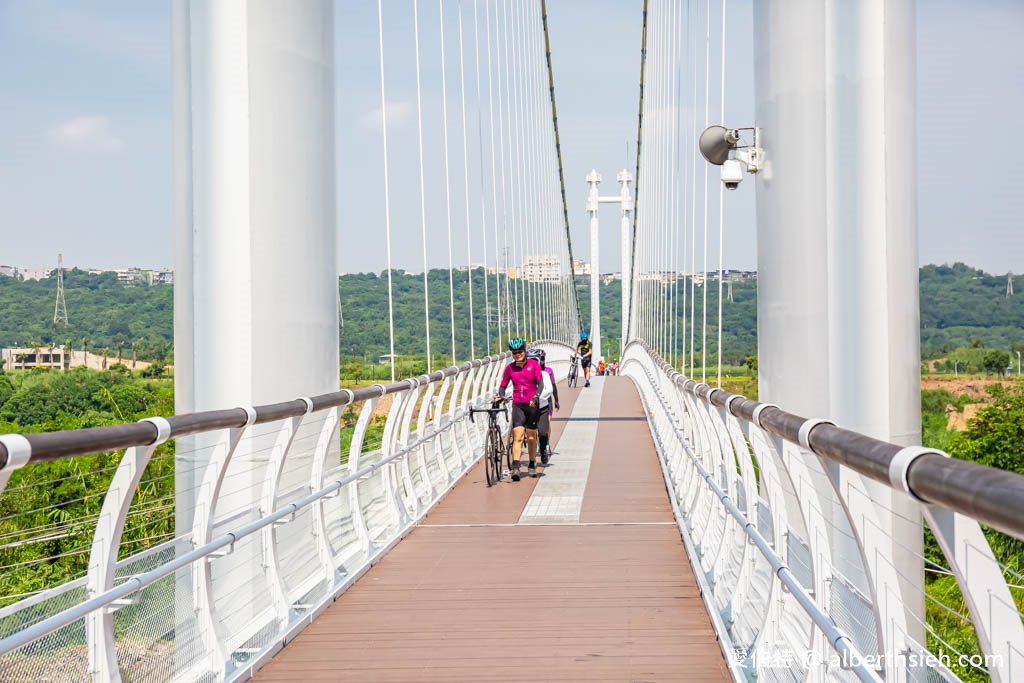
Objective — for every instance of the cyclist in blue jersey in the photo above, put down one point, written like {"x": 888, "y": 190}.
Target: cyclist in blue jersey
{"x": 585, "y": 350}
{"x": 527, "y": 382}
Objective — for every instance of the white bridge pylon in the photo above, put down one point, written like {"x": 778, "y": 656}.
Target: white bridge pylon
{"x": 625, "y": 201}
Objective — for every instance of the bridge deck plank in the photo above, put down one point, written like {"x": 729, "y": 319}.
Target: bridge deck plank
{"x": 470, "y": 596}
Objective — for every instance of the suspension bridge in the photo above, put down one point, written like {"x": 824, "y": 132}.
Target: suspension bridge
{"x": 680, "y": 531}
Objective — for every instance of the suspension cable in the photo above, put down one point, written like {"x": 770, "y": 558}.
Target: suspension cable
{"x": 423, "y": 194}
{"x": 447, "y": 180}
{"x": 721, "y": 215}
{"x": 494, "y": 164}
{"x": 707, "y": 122}
{"x": 387, "y": 195}
{"x": 465, "y": 179}
{"x": 558, "y": 152}
{"x": 480, "y": 176}
{"x": 693, "y": 212}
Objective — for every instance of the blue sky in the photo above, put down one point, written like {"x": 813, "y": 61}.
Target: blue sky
{"x": 85, "y": 127}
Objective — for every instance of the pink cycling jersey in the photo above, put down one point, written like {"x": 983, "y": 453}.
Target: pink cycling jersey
{"x": 527, "y": 381}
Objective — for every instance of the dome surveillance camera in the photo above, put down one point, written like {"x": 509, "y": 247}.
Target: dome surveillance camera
{"x": 732, "y": 173}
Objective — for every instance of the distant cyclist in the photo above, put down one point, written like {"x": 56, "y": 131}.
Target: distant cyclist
{"x": 584, "y": 349}
{"x": 548, "y": 404}
{"x": 527, "y": 382}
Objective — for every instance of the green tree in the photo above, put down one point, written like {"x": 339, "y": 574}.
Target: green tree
{"x": 995, "y": 361}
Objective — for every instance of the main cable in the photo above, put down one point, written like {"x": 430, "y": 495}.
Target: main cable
{"x": 636, "y": 180}
{"x": 558, "y": 153}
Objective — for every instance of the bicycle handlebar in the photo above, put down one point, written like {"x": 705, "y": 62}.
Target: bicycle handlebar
{"x": 493, "y": 410}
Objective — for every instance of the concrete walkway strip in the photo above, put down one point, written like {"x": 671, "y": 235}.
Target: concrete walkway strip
{"x": 558, "y": 496}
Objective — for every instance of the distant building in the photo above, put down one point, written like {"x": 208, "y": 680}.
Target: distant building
{"x": 163, "y": 276}
{"x": 39, "y": 357}
{"x": 580, "y": 267}
{"x": 541, "y": 268}
{"x": 35, "y": 273}
{"x": 134, "y": 276}
{"x": 60, "y": 358}
{"x": 9, "y": 271}
{"x": 501, "y": 270}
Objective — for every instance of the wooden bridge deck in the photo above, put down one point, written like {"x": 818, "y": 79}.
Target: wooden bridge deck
{"x": 492, "y": 587}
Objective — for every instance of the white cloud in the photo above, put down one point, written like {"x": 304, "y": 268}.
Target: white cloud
{"x": 86, "y": 133}
{"x": 398, "y": 113}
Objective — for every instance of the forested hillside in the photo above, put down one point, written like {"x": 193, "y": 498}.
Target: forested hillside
{"x": 102, "y": 314}
{"x": 960, "y": 307}
{"x": 960, "y": 304}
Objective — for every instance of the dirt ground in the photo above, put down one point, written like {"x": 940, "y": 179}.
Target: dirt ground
{"x": 973, "y": 386}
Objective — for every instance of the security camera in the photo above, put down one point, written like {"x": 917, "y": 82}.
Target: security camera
{"x": 724, "y": 147}
{"x": 732, "y": 173}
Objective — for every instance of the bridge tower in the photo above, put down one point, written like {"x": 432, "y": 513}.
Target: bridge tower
{"x": 625, "y": 201}
{"x": 256, "y": 278}
{"x": 838, "y": 332}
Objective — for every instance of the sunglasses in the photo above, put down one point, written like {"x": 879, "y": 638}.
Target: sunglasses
{"x": 519, "y": 352}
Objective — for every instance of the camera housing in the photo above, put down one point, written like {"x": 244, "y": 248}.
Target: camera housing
{"x": 732, "y": 173}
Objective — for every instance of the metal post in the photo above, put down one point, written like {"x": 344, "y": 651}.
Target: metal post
{"x": 594, "y": 179}
{"x": 625, "y": 178}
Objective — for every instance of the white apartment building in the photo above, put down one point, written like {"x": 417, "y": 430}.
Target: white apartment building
{"x": 541, "y": 268}
{"x": 35, "y": 273}
{"x": 580, "y": 267}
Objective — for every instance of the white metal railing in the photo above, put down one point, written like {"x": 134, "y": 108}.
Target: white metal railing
{"x": 282, "y": 524}
{"x": 794, "y": 550}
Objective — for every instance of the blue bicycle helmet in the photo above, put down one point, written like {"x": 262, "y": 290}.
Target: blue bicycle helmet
{"x": 534, "y": 354}
{"x": 583, "y": 336}
{"x": 516, "y": 344}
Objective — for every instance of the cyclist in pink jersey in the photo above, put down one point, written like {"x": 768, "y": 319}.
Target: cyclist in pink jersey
{"x": 527, "y": 385}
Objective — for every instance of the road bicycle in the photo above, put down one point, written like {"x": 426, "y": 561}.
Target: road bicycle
{"x": 574, "y": 371}
{"x": 494, "y": 445}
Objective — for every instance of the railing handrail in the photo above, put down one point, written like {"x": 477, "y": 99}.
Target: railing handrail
{"x": 991, "y": 496}
{"x": 137, "y": 582}
{"x": 838, "y": 640}
{"x": 50, "y": 446}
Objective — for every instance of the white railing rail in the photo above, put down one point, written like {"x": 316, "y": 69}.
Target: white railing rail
{"x": 245, "y": 577}
{"x": 793, "y": 554}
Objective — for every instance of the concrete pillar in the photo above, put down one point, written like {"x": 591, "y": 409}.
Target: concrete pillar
{"x": 256, "y": 278}
{"x": 838, "y": 319}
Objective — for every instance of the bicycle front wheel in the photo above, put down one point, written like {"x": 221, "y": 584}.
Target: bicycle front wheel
{"x": 492, "y": 457}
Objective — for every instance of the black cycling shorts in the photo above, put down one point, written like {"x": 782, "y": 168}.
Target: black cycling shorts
{"x": 544, "y": 423}
{"x": 525, "y": 415}
{"x": 585, "y": 361}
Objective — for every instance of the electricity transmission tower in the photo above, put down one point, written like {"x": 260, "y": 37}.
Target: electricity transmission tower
{"x": 1009, "y": 285}
{"x": 60, "y": 309}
